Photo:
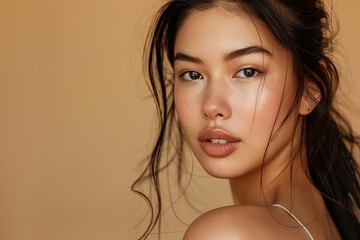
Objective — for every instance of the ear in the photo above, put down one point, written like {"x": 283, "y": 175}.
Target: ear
{"x": 310, "y": 98}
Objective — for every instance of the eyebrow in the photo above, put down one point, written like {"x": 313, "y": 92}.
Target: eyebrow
{"x": 184, "y": 57}
{"x": 234, "y": 54}
{"x": 247, "y": 51}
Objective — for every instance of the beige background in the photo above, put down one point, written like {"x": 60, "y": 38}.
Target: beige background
{"x": 75, "y": 121}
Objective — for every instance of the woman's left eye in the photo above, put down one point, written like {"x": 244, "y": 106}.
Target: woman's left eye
{"x": 247, "y": 73}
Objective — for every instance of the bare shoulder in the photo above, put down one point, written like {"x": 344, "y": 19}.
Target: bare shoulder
{"x": 237, "y": 223}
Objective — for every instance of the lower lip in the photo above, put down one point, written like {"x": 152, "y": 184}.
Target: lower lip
{"x": 218, "y": 150}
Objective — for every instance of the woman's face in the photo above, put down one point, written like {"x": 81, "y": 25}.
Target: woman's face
{"x": 232, "y": 79}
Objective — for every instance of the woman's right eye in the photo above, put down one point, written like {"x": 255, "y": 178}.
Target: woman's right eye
{"x": 191, "y": 76}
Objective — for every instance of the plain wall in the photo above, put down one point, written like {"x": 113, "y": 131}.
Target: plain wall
{"x": 76, "y": 120}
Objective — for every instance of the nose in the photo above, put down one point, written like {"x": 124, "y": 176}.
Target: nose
{"x": 216, "y": 104}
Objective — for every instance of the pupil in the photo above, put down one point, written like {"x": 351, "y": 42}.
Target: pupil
{"x": 249, "y": 72}
{"x": 194, "y": 75}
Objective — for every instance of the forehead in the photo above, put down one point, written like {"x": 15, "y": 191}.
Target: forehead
{"x": 217, "y": 31}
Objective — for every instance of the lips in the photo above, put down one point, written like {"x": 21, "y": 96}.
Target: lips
{"x": 217, "y": 142}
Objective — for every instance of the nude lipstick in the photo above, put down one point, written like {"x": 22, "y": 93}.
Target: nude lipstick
{"x": 217, "y": 142}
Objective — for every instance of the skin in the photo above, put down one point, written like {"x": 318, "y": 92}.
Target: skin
{"x": 248, "y": 96}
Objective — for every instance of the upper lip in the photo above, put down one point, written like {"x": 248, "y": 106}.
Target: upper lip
{"x": 216, "y": 133}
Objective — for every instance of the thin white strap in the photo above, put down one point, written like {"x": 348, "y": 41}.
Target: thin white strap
{"x": 293, "y": 216}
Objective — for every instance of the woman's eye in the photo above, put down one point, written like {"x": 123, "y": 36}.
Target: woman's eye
{"x": 191, "y": 75}
{"x": 247, "y": 73}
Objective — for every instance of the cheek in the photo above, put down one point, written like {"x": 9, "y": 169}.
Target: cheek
{"x": 255, "y": 110}
{"x": 182, "y": 111}
{"x": 184, "y": 108}
{"x": 266, "y": 114}
{"x": 267, "y": 109}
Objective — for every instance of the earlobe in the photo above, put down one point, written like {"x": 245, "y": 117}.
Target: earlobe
{"x": 310, "y": 98}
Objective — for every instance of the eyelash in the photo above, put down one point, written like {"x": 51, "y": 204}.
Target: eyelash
{"x": 201, "y": 77}
{"x": 257, "y": 72}
{"x": 188, "y": 72}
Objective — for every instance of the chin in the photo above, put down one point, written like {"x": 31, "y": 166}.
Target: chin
{"x": 226, "y": 168}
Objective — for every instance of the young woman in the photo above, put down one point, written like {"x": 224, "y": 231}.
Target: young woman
{"x": 250, "y": 86}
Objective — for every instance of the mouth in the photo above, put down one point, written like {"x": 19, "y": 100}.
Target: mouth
{"x": 217, "y": 136}
{"x": 217, "y": 142}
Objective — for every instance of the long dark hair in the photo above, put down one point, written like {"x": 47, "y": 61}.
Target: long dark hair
{"x": 303, "y": 27}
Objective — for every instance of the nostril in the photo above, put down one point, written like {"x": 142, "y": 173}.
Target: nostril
{"x": 213, "y": 116}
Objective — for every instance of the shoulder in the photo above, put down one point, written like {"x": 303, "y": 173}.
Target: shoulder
{"x": 236, "y": 222}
